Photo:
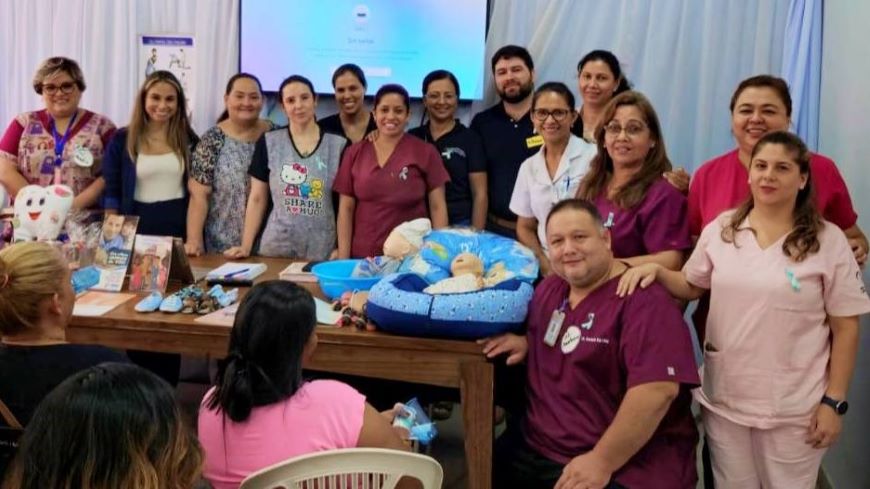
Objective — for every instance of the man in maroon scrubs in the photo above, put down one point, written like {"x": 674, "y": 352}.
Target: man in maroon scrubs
{"x": 608, "y": 377}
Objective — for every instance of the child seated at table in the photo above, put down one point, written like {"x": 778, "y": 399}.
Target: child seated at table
{"x": 261, "y": 411}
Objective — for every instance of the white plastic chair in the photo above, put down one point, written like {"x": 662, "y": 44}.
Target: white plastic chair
{"x": 348, "y": 468}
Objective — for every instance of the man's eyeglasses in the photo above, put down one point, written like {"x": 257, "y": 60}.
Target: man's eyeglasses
{"x": 65, "y": 87}
{"x": 632, "y": 128}
{"x": 559, "y": 115}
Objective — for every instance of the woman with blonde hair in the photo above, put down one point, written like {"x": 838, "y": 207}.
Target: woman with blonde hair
{"x": 36, "y": 302}
{"x": 146, "y": 167}
{"x": 112, "y": 426}
{"x": 146, "y": 163}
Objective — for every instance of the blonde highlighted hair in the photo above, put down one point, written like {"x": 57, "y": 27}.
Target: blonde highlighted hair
{"x": 179, "y": 134}
{"x": 30, "y": 273}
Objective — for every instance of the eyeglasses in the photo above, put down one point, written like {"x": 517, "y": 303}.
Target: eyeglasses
{"x": 559, "y": 115}
{"x": 632, "y": 128}
{"x": 447, "y": 96}
{"x": 65, "y": 87}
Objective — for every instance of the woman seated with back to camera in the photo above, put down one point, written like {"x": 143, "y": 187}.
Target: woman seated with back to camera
{"x": 261, "y": 411}
{"x": 112, "y": 426}
{"x": 36, "y": 303}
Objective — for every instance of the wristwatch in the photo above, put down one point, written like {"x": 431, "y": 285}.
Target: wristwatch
{"x": 840, "y": 407}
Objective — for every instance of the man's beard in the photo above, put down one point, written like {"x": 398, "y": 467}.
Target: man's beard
{"x": 524, "y": 91}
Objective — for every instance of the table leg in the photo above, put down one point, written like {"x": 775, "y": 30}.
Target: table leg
{"x": 476, "y": 391}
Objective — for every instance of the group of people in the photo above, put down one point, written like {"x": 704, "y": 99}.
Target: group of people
{"x": 765, "y": 236}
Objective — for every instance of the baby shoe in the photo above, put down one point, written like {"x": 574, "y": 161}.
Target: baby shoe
{"x": 223, "y": 298}
{"x": 176, "y": 301}
{"x": 150, "y": 303}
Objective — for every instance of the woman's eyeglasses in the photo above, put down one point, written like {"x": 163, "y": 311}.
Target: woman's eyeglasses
{"x": 65, "y": 87}
{"x": 632, "y": 128}
{"x": 559, "y": 115}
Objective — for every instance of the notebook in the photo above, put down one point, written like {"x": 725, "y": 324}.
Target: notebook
{"x": 235, "y": 272}
{"x": 299, "y": 271}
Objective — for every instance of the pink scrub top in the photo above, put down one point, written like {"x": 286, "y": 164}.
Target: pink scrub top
{"x": 768, "y": 340}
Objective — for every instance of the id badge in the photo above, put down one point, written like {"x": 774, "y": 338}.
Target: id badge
{"x": 83, "y": 157}
{"x": 554, "y": 328}
{"x": 534, "y": 141}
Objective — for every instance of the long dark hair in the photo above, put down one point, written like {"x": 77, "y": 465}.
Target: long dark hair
{"x": 434, "y": 76}
{"x": 601, "y": 168}
{"x": 226, "y": 114}
{"x": 612, "y": 62}
{"x": 264, "y": 364}
{"x": 803, "y": 239}
{"x": 110, "y": 426}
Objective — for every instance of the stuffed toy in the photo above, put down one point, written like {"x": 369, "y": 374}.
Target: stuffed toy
{"x": 403, "y": 241}
{"x": 40, "y": 212}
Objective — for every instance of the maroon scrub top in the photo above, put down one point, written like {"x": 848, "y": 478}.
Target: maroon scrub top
{"x": 390, "y": 195}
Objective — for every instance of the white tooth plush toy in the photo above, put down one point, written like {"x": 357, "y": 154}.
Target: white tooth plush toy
{"x": 39, "y": 212}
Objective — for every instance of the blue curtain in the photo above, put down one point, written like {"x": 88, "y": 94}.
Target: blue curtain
{"x": 802, "y": 66}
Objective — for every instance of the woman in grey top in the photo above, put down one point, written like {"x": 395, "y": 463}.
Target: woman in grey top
{"x": 296, "y": 167}
{"x": 218, "y": 171}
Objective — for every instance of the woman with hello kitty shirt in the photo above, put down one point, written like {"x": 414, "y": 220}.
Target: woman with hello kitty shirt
{"x": 296, "y": 166}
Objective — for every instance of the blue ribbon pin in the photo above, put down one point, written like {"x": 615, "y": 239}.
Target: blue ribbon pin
{"x": 793, "y": 280}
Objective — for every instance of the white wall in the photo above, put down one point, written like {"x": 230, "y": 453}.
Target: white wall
{"x": 845, "y": 126}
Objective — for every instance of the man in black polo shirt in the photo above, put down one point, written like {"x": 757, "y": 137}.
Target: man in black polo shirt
{"x": 507, "y": 133}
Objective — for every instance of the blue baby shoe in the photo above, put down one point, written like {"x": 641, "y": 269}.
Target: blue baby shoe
{"x": 150, "y": 303}
{"x": 223, "y": 298}
{"x": 175, "y": 302}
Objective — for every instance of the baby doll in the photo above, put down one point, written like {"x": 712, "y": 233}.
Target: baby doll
{"x": 467, "y": 276}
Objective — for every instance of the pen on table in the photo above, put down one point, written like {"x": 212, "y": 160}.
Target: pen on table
{"x": 231, "y": 274}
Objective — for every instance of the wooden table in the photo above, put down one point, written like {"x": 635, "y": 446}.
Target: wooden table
{"x": 446, "y": 363}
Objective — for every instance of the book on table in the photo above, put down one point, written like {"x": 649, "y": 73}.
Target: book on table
{"x": 299, "y": 271}
{"x": 236, "y": 272}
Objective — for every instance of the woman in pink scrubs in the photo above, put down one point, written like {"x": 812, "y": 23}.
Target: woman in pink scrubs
{"x": 786, "y": 293}
{"x": 383, "y": 183}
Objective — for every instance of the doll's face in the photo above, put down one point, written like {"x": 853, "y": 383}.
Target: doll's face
{"x": 466, "y": 263}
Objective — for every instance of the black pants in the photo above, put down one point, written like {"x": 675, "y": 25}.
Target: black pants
{"x": 517, "y": 466}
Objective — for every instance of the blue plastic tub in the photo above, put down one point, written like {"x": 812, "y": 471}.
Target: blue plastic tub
{"x": 334, "y": 278}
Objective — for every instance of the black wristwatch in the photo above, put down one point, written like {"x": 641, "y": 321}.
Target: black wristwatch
{"x": 840, "y": 407}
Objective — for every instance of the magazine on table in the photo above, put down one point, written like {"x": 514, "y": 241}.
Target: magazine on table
{"x": 152, "y": 258}
{"x": 113, "y": 251}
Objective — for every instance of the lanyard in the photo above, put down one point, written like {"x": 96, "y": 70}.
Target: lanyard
{"x": 60, "y": 142}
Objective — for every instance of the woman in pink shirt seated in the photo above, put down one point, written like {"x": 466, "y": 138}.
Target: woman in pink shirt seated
{"x": 395, "y": 178}
{"x": 646, "y": 215}
{"x": 783, "y": 325}
{"x": 261, "y": 412}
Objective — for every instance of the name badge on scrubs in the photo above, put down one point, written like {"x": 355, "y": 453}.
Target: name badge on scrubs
{"x": 554, "y": 328}
{"x": 82, "y": 157}
{"x": 534, "y": 141}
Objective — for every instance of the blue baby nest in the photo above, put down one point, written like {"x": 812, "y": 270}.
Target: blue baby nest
{"x": 397, "y": 304}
